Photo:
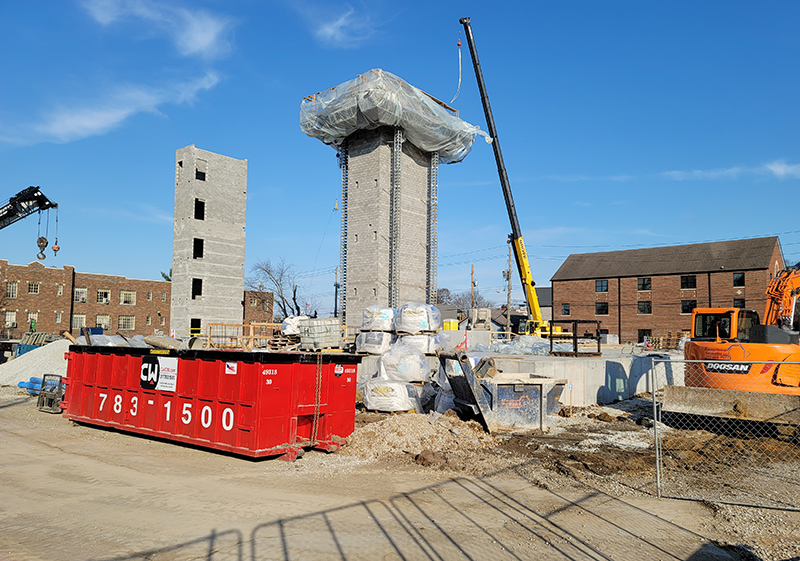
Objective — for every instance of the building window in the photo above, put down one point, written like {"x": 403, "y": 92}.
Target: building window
{"x": 688, "y": 281}
{"x": 58, "y": 317}
{"x": 738, "y": 303}
{"x": 738, "y": 279}
{"x": 127, "y": 297}
{"x": 11, "y": 290}
{"x": 163, "y": 296}
{"x": 33, "y": 288}
{"x": 199, "y": 175}
{"x": 601, "y": 286}
{"x": 59, "y": 290}
{"x": 564, "y": 309}
{"x": 78, "y": 322}
{"x": 197, "y": 250}
{"x": 33, "y": 316}
{"x": 148, "y": 321}
{"x": 149, "y": 296}
{"x": 645, "y": 307}
{"x": 127, "y": 323}
{"x": 80, "y": 296}
{"x": 265, "y": 306}
{"x": 643, "y": 284}
{"x": 687, "y": 306}
{"x": 195, "y": 326}
{"x": 103, "y": 296}
{"x": 197, "y": 288}
{"x": 163, "y": 321}
{"x": 601, "y": 308}
{"x": 644, "y": 333}
{"x": 253, "y": 302}
{"x": 104, "y": 321}
{"x": 11, "y": 319}
{"x": 199, "y": 209}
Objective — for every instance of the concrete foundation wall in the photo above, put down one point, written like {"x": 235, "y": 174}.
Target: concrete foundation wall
{"x": 223, "y": 191}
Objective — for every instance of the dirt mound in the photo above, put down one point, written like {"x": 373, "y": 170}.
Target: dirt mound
{"x": 411, "y": 434}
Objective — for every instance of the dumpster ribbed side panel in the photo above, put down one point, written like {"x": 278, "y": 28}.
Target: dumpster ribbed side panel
{"x": 255, "y": 404}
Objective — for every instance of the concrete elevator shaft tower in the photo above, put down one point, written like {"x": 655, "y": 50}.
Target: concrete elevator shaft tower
{"x": 390, "y": 139}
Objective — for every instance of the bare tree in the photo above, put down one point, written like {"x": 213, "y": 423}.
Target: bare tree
{"x": 280, "y": 279}
{"x": 462, "y": 300}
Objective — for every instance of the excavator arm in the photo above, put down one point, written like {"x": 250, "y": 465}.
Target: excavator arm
{"x": 535, "y": 322}
{"x": 23, "y": 204}
{"x": 782, "y": 306}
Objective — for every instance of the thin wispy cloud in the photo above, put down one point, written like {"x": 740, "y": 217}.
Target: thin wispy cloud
{"x": 339, "y": 26}
{"x": 778, "y": 169}
{"x": 781, "y": 169}
{"x": 94, "y": 117}
{"x": 725, "y": 173}
{"x": 194, "y": 32}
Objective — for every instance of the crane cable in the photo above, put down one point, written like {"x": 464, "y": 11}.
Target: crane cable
{"x": 458, "y": 91}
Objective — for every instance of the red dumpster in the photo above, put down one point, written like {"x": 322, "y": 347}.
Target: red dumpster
{"x": 253, "y": 404}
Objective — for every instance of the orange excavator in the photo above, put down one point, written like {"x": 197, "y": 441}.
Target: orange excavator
{"x": 750, "y": 369}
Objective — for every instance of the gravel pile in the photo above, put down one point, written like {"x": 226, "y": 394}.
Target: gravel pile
{"x": 413, "y": 433}
{"x": 48, "y": 359}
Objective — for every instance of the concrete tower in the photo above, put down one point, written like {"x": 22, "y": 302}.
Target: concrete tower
{"x": 390, "y": 137}
{"x": 208, "y": 241}
{"x": 389, "y": 217}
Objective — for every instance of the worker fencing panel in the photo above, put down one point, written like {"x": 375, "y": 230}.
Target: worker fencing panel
{"x": 728, "y": 431}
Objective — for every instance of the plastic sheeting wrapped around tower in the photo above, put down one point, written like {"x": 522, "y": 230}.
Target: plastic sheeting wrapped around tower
{"x": 379, "y": 98}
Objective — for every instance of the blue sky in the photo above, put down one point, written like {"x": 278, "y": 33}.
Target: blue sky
{"x": 622, "y": 124}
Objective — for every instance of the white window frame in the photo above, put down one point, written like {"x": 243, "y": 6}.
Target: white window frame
{"x": 127, "y": 297}
{"x": 33, "y": 287}
{"x": 10, "y": 319}
{"x": 103, "y": 295}
{"x": 78, "y": 321}
{"x": 98, "y": 321}
{"x": 12, "y": 289}
{"x": 80, "y": 294}
{"x": 126, "y": 323}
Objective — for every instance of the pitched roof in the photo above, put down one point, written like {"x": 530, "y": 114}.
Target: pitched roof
{"x": 733, "y": 255}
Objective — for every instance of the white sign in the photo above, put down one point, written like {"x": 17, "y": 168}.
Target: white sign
{"x": 167, "y": 374}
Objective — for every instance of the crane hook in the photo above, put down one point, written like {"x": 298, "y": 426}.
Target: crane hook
{"x": 42, "y": 243}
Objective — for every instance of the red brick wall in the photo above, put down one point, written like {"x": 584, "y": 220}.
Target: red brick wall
{"x": 665, "y": 297}
{"x": 257, "y": 307}
{"x": 151, "y": 311}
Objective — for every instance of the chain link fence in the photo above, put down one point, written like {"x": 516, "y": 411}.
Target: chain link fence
{"x": 728, "y": 431}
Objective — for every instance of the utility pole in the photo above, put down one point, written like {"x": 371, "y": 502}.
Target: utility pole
{"x": 508, "y": 296}
{"x": 472, "y": 284}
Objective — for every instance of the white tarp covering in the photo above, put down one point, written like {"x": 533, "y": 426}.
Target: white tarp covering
{"x": 417, "y": 317}
{"x": 378, "y": 98}
{"x": 377, "y": 318}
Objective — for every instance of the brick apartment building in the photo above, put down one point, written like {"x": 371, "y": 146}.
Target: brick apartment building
{"x": 649, "y": 292}
{"x": 62, "y": 299}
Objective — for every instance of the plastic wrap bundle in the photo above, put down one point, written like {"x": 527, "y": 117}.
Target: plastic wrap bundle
{"x": 378, "y": 98}
{"x": 390, "y": 395}
{"x": 427, "y": 343}
{"x": 291, "y": 325}
{"x": 416, "y": 317}
{"x": 377, "y": 318}
{"x": 114, "y": 341}
{"x": 525, "y": 345}
{"x": 373, "y": 342}
{"x": 402, "y": 363}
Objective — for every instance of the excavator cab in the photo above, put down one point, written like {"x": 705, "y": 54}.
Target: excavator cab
{"x": 723, "y": 324}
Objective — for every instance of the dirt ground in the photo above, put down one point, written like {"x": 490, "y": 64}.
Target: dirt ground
{"x": 405, "y": 487}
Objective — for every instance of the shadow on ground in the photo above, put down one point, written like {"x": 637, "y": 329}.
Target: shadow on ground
{"x": 499, "y": 516}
